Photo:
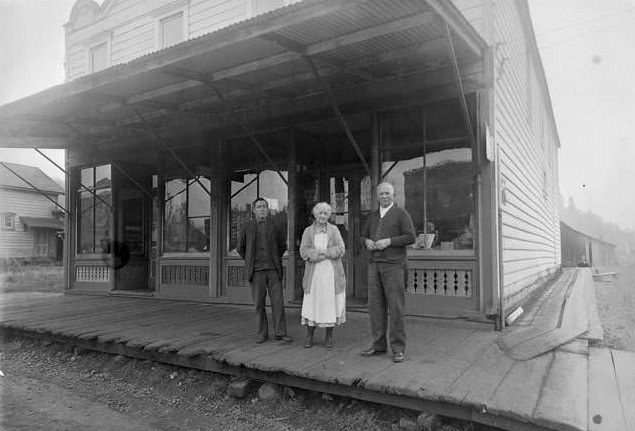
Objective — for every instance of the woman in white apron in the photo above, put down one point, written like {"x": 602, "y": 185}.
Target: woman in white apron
{"x": 324, "y": 282}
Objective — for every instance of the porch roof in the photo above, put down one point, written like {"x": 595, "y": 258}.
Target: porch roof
{"x": 42, "y": 222}
{"x": 370, "y": 53}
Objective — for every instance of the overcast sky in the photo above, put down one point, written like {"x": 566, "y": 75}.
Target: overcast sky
{"x": 587, "y": 48}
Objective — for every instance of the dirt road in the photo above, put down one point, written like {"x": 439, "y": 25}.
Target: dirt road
{"x": 616, "y": 307}
{"x": 27, "y": 405}
{"x": 54, "y": 388}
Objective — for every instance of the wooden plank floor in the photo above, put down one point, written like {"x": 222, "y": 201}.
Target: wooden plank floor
{"x": 453, "y": 368}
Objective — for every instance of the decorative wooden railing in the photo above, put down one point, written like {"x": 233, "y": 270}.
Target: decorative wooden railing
{"x": 185, "y": 274}
{"x": 92, "y": 273}
{"x": 440, "y": 282}
{"x": 237, "y": 276}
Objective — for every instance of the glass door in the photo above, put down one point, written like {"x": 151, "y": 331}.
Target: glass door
{"x": 133, "y": 209}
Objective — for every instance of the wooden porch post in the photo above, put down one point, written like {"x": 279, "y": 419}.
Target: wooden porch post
{"x": 160, "y": 216}
{"x": 488, "y": 239}
{"x": 375, "y": 159}
{"x": 68, "y": 250}
{"x": 292, "y": 193}
{"x": 217, "y": 219}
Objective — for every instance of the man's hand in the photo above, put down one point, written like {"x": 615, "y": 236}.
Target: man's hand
{"x": 381, "y": 244}
{"x": 370, "y": 244}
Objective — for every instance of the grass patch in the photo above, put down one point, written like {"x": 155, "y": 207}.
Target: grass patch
{"x": 33, "y": 279}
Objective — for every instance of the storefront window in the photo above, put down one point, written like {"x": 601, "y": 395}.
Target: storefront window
{"x": 187, "y": 215}
{"x": 95, "y": 210}
{"x": 245, "y": 188}
{"x": 428, "y": 158}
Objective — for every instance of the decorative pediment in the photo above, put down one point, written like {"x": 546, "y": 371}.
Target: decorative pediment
{"x": 84, "y": 12}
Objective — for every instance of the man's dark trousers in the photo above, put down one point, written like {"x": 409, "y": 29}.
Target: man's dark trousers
{"x": 386, "y": 292}
{"x": 263, "y": 282}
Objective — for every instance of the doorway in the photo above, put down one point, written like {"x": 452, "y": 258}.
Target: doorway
{"x": 348, "y": 191}
{"x": 132, "y": 236}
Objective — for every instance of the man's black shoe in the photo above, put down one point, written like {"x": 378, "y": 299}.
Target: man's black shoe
{"x": 283, "y": 339}
{"x": 371, "y": 352}
{"x": 261, "y": 340}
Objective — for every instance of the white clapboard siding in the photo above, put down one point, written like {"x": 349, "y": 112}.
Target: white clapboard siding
{"x": 528, "y": 162}
{"x": 207, "y": 16}
{"x": 130, "y": 28}
{"x": 23, "y": 203}
{"x": 133, "y": 39}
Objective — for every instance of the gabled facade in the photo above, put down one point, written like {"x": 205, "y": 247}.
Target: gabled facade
{"x": 184, "y": 111}
{"x": 31, "y": 225}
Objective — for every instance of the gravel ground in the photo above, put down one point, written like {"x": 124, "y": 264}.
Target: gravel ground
{"x": 616, "y": 307}
{"x": 49, "y": 387}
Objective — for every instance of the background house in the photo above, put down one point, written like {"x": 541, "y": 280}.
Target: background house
{"x": 31, "y": 229}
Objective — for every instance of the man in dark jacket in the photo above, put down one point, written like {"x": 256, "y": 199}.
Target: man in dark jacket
{"x": 386, "y": 234}
{"x": 261, "y": 244}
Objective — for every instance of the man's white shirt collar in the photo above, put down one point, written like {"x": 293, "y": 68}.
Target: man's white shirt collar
{"x": 383, "y": 211}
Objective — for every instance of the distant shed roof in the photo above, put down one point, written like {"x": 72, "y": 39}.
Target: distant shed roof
{"x": 32, "y": 174}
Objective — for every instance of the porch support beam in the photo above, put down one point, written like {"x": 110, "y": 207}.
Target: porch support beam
{"x": 132, "y": 180}
{"x": 92, "y": 192}
{"x": 158, "y": 139}
{"x": 37, "y": 141}
{"x": 61, "y": 120}
{"x": 292, "y": 55}
{"x": 294, "y": 47}
{"x": 242, "y": 123}
{"x": 373, "y": 98}
{"x": 455, "y": 19}
{"x": 340, "y": 117}
{"x": 36, "y": 189}
{"x": 459, "y": 81}
{"x": 247, "y": 129}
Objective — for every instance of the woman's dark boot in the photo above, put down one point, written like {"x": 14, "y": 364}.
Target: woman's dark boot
{"x": 328, "y": 338}
{"x": 308, "y": 343}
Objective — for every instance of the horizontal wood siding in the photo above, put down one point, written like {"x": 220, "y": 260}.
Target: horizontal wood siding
{"x": 76, "y": 61}
{"x": 528, "y": 162}
{"x": 207, "y": 16}
{"x": 130, "y": 28}
{"x": 472, "y": 10}
{"x": 133, "y": 39}
{"x": 19, "y": 242}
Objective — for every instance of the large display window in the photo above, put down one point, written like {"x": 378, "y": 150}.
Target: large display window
{"x": 186, "y": 215}
{"x": 427, "y": 155}
{"x": 94, "y": 209}
{"x": 246, "y": 186}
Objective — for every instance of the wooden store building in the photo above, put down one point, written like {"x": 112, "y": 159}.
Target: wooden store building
{"x": 177, "y": 114}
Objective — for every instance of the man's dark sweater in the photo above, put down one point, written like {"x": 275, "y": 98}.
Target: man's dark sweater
{"x": 396, "y": 225}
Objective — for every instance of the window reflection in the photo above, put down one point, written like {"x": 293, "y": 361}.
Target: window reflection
{"x": 187, "y": 209}
{"x": 245, "y": 188}
{"x": 432, "y": 177}
{"x": 95, "y": 210}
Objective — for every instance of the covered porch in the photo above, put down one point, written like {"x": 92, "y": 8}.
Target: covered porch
{"x": 317, "y": 101}
{"x": 540, "y": 374}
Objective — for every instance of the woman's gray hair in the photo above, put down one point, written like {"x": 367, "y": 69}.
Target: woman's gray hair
{"x": 319, "y": 206}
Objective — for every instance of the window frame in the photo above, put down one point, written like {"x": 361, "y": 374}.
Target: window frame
{"x": 158, "y": 20}
{"x": 77, "y": 191}
{"x": 455, "y": 253}
{"x": 189, "y": 182}
{"x": 89, "y": 50}
{"x": 256, "y": 181}
{"x": 11, "y": 217}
